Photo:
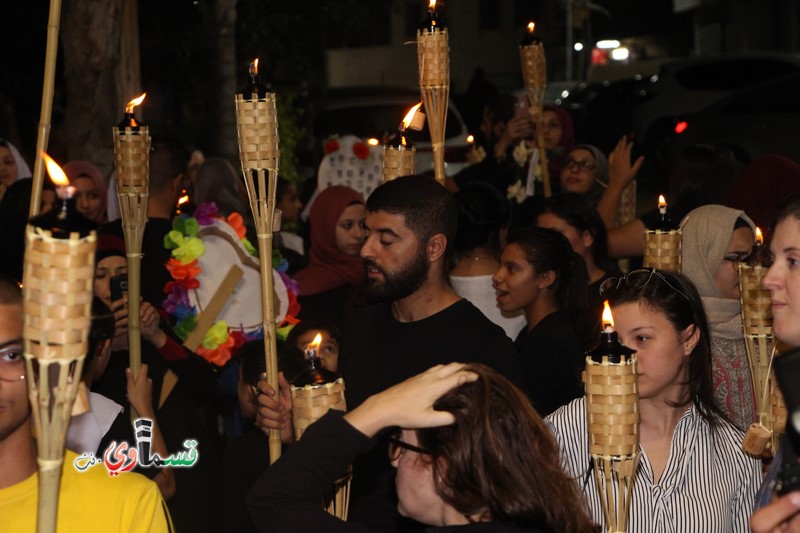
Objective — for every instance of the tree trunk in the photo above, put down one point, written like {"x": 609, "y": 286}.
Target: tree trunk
{"x": 225, "y": 28}
{"x": 101, "y": 71}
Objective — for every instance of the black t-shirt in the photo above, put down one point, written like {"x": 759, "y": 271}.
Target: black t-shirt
{"x": 552, "y": 360}
{"x": 378, "y": 352}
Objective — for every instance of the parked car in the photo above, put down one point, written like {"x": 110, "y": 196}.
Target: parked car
{"x": 377, "y": 113}
{"x": 752, "y": 121}
{"x": 691, "y": 85}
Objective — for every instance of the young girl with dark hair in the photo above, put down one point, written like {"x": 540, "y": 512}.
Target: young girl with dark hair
{"x": 692, "y": 473}
{"x": 572, "y": 216}
{"x": 541, "y": 275}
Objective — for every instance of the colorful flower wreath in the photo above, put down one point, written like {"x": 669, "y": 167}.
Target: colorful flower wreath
{"x": 220, "y": 340}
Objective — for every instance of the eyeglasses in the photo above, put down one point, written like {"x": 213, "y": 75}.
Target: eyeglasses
{"x": 398, "y": 446}
{"x": 583, "y": 164}
{"x": 737, "y": 257}
{"x": 636, "y": 279}
{"x": 12, "y": 364}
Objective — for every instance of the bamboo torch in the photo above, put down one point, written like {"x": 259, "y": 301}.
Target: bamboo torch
{"x": 760, "y": 345}
{"x": 399, "y": 156}
{"x": 257, "y": 130}
{"x": 58, "y": 280}
{"x": 663, "y": 245}
{"x": 612, "y": 415}
{"x": 132, "y": 159}
{"x": 433, "y": 55}
{"x": 534, "y": 75}
{"x": 43, "y": 135}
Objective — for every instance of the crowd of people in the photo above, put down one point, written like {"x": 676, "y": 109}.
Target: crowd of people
{"x": 458, "y": 317}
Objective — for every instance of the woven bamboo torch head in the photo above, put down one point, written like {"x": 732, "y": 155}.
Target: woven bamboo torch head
{"x": 663, "y": 245}
{"x": 132, "y": 152}
{"x": 257, "y": 125}
{"x": 612, "y": 395}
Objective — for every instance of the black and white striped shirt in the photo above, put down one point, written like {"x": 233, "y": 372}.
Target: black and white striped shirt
{"x": 708, "y": 485}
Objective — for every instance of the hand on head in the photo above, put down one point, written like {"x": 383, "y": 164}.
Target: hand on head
{"x": 410, "y": 404}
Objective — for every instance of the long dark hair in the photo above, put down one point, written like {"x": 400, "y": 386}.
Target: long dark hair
{"x": 482, "y": 213}
{"x": 548, "y": 250}
{"x": 499, "y": 460}
{"x": 577, "y": 212}
{"x": 675, "y": 297}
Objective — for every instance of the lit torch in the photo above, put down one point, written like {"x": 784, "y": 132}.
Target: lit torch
{"x": 433, "y": 57}
{"x": 612, "y": 416}
{"x": 259, "y": 154}
{"x": 663, "y": 245}
{"x": 399, "y": 157}
{"x": 132, "y": 161}
{"x": 534, "y": 76}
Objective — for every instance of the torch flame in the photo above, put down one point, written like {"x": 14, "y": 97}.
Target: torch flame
{"x": 410, "y": 115}
{"x": 372, "y": 141}
{"x": 608, "y": 318}
{"x": 57, "y": 175}
{"x": 183, "y": 199}
{"x": 662, "y": 202}
{"x": 314, "y": 345}
{"x": 470, "y": 139}
{"x": 759, "y": 236}
{"x": 431, "y": 5}
{"x": 254, "y": 67}
{"x": 531, "y": 25}
{"x": 133, "y": 103}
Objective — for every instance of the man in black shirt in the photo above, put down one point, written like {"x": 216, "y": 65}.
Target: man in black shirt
{"x": 419, "y": 322}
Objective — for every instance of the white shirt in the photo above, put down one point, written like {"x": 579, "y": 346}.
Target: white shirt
{"x": 478, "y": 290}
{"x": 708, "y": 485}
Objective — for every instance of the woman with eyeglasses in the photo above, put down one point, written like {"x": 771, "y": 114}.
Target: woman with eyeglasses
{"x": 587, "y": 171}
{"x": 471, "y": 454}
{"x": 783, "y": 282}
{"x": 692, "y": 474}
{"x": 541, "y": 275}
{"x": 715, "y": 240}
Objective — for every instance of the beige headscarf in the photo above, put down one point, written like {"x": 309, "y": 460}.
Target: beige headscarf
{"x": 707, "y": 231}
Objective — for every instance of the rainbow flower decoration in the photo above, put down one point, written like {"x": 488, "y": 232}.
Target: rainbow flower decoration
{"x": 187, "y": 247}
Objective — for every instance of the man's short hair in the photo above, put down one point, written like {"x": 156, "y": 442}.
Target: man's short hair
{"x": 10, "y": 291}
{"x": 426, "y": 207}
{"x": 168, "y": 159}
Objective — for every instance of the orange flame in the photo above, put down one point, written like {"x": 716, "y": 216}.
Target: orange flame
{"x": 254, "y": 67}
{"x": 314, "y": 345}
{"x": 410, "y": 115}
{"x": 133, "y": 103}
{"x": 183, "y": 199}
{"x": 662, "y": 202}
{"x": 608, "y": 318}
{"x": 372, "y": 141}
{"x": 531, "y": 26}
{"x": 432, "y": 5}
{"x": 470, "y": 139}
{"x": 759, "y": 236}
{"x": 57, "y": 175}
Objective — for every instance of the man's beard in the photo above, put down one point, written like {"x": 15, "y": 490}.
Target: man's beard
{"x": 396, "y": 286}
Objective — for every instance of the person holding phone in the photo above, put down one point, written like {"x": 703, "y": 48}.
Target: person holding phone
{"x": 783, "y": 282}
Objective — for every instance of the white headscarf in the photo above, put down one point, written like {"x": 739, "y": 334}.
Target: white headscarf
{"x": 23, "y": 170}
{"x": 707, "y": 231}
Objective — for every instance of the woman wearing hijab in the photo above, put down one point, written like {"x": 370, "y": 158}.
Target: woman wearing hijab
{"x": 12, "y": 166}
{"x": 715, "y": 240}
{"x": 90, "y": 190}
{"x": 329, "y": 285}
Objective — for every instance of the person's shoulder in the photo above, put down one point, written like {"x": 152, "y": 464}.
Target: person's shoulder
{"x": 572, "y": 414}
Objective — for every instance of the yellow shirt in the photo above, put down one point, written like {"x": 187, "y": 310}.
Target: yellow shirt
{"x": 89, "y": 501}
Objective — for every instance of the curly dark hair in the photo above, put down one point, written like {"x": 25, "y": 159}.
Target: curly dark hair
{"x": 499, "y": 461}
